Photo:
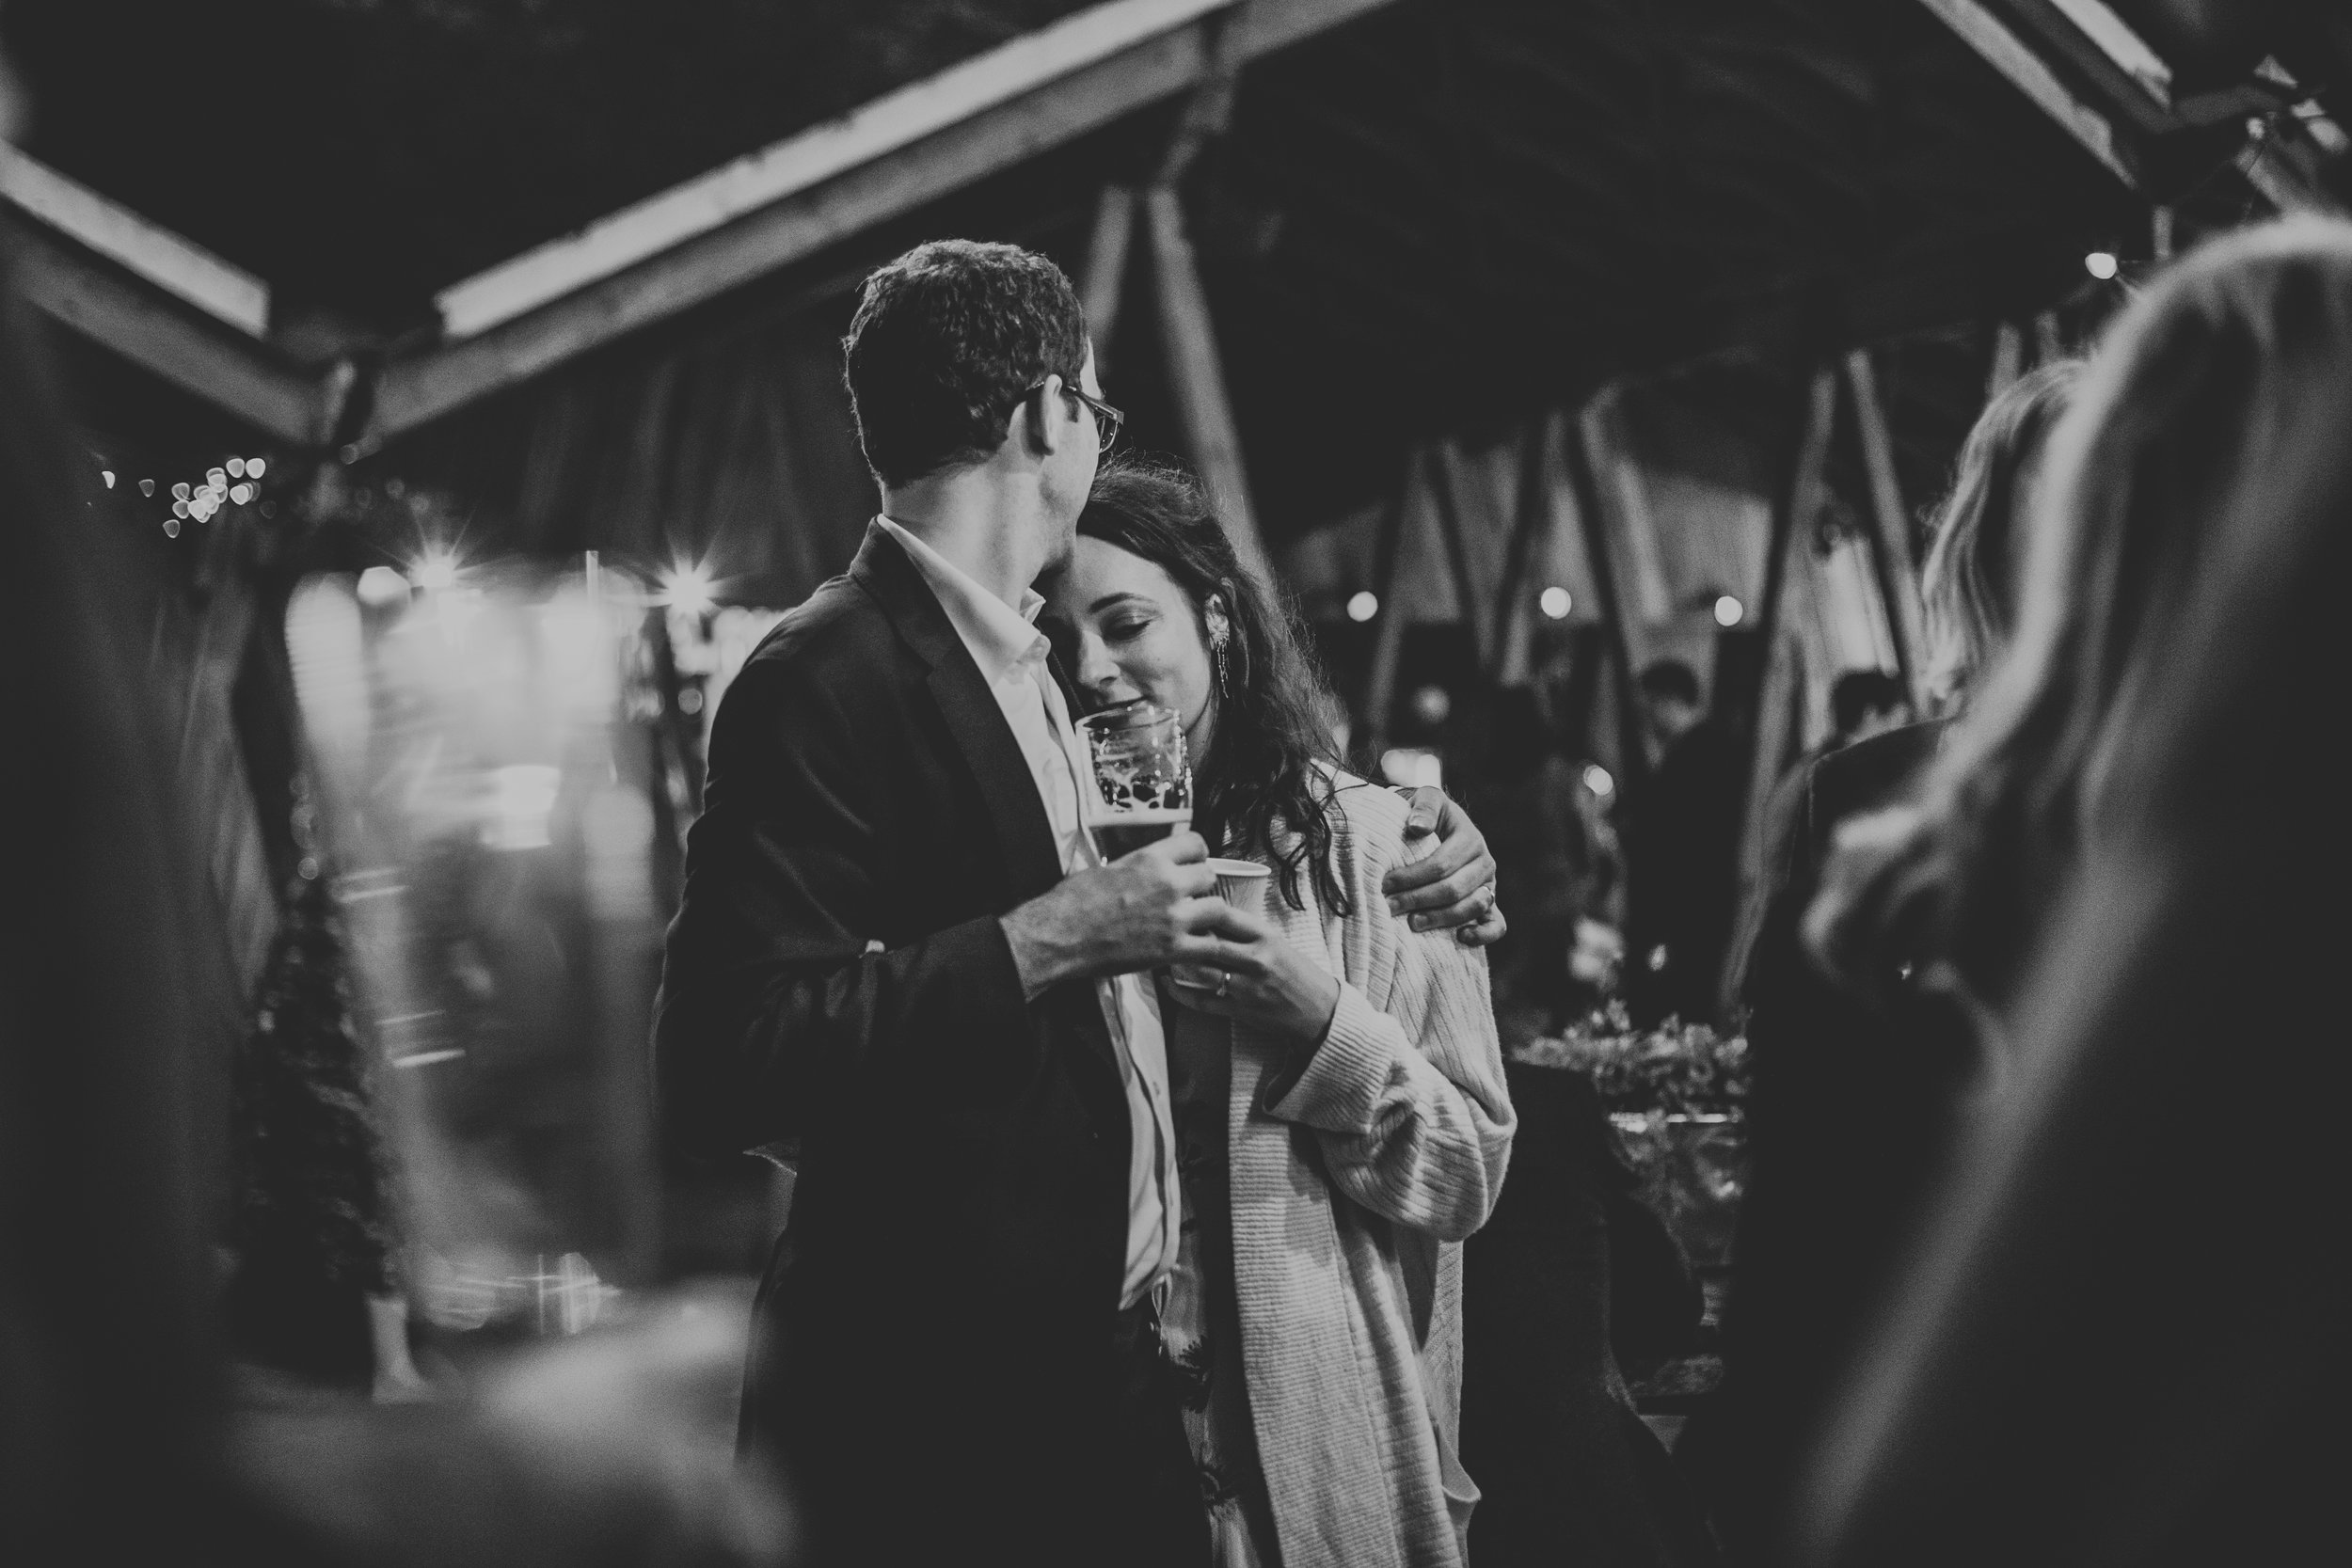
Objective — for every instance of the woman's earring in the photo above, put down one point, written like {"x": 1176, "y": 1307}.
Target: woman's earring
{"x": 1224, "y": 682}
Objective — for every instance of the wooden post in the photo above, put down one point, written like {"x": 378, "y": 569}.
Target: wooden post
{"x": 1627, "y": 517}
{"x": 2049, "y": 344}
{"x": 1106, "y": 270}
{"x": 1198, "y": 373}
{"x": 1898, "y": 573}
{"x": 1447, "y": 504}
{"x": 2009, "y": 360}
{"x": 1576, "y": 453}
{"x": 1800, "y": 502}
{"x": 1388, "y": 634}
{"x": 1531, "y": 516}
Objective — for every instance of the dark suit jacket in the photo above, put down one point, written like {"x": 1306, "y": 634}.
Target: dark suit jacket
{"x": 932, "y": 1343}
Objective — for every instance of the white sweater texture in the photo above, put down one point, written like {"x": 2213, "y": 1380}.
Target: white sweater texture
{"x": 1350, "y": 1199}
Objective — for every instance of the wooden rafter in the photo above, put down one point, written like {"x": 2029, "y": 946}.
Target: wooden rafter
{"x": 160, "y": 301}
{"x": 179, "y": 267}
{"x": 160, "y": 332}
{"x": 2104, "y": 48}
{"x": 180, "y": 314}
{"x": 689, "y": 245}
{"x": 2026, "y": 70}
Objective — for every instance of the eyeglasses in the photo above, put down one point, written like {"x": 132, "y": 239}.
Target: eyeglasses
{"x": 1107, "y": 421}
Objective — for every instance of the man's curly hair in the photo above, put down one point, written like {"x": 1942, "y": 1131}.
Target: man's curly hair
{"x": 946, "y": 340}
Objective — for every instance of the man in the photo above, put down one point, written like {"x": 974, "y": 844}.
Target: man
{"x": 900, "y": 956}
{"x": 1865, "y": 703}
{"x": 1682, "y": 847}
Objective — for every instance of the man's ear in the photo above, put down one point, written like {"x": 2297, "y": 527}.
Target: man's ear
{"x": 1047, "y": 433}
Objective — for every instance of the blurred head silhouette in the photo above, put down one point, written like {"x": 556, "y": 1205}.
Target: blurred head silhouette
{"x": 2123, "y": 1341}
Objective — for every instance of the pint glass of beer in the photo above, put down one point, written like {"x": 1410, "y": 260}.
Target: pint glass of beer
{"x": 1142, "y": 782}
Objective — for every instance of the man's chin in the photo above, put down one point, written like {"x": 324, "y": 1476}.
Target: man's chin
{"x": 1062, "y": 546}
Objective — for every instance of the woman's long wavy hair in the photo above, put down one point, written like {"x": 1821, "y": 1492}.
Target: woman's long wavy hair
{"x": 2205, "y": 445}
{"x": 1266, "y": 787}
{"x": 1969, "y": 585}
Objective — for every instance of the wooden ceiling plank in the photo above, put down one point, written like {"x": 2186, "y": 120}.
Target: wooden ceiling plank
{"x": 178, "y": 266}
{"x": 1013, "y": 105}
{"x": 2101, "y": 45}
{"x": 888, "y": 125}
{"x": 2010, "y": 54}
{"x": 162, "y": 333}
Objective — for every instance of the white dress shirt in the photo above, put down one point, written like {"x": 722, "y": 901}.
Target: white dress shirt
{"x": 1004, "y": 642}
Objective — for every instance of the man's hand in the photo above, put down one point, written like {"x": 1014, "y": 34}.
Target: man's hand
{"x": 1154, "y": 907}
{"x": 1451, "y": 887}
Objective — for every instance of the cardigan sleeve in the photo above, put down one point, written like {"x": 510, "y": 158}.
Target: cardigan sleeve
{"x": 1406, "y": 1091}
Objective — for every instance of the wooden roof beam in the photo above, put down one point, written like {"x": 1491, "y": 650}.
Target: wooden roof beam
{"x": 165, "y": 335}
{"x": 160, "y": 301}
{"x": 178, "y": 266}
{"x": 2089, "y": 35}
{"x": 2010, "y": 54}
{"x": 827, "y": 185}
{"x": 2279, "y": 161}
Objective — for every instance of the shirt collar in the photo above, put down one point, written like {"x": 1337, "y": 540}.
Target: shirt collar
{"x": 998, "y": 635}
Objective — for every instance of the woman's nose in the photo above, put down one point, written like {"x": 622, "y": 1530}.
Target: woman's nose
{"x": 1096, "y": 671}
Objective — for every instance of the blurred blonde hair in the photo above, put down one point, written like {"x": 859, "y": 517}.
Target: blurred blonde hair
{"x": 1969, "y": 585}
{"x": 2203, "y": 441}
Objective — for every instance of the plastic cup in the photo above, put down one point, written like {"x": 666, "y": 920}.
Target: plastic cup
{"x": 1242, "y": 884}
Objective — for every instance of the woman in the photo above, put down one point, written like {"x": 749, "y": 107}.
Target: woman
{"x": 1339, "y": 1099}
{"x": 2123, "y": 1343}
{"x": 1847, "y": 1080}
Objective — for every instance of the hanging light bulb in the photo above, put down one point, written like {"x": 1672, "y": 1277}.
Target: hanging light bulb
{"x": 687, "y": 587}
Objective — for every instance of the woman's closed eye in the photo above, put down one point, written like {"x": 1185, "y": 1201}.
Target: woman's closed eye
{"x": 1125, "y": 629}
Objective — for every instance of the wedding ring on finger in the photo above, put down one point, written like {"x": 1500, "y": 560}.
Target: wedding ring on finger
{"x": 1224, "y": 982}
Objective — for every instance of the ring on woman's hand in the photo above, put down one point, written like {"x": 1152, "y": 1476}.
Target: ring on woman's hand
{"x": 1223, "y": 981}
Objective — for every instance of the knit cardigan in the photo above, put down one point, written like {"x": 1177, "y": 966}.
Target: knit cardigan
{"x": 1351, "y": 1196}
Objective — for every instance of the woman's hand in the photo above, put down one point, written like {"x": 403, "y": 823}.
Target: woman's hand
{"x": 1265, "y": 982}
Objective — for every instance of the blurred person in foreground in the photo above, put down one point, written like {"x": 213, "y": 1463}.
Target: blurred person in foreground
{"x": 1853, "y": 1095}
{"x": 1681, "y": 834}
{"x": 901, "y": 963}
{"x": 1341, "y": 1113}
{"x": 2122, "y": 1340}
{"x": 118, "y": 1440}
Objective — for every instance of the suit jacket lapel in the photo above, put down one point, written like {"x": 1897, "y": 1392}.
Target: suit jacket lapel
{"x": 970, "y": 709}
